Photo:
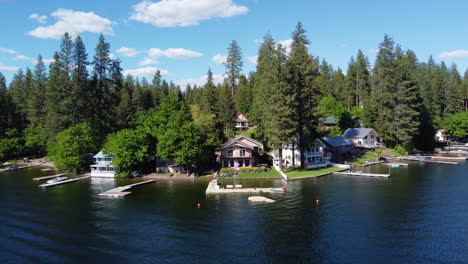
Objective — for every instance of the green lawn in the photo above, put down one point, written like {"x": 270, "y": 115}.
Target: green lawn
{"x": 269, "y": 174}
{"x": 306, "y": 173}
{"x": 368, "y": 156}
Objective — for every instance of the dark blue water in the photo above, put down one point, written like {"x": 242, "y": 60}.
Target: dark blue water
{"x": 419, "y": 215}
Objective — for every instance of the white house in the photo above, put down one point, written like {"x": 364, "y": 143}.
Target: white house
{"x": 242, "y": 151}
{"x": 441, "y": 135}
{"x": 242, "y": 123}
{"x": 363, "y": 137}
{"x": 103, "y": 167}
{"x": 315, "y": 155}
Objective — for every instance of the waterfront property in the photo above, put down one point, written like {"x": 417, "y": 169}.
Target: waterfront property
{"x": 316, "y": 155}
{"x": 441, "y": 135}
{"x": 363, "y": 137}
{"x": 103, "y": 165}
{"x": 338, "y": 145}
{"x": 165, "y": 166}
{"x": 242, "y": 151}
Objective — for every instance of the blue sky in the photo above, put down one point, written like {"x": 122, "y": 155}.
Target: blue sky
{"x": 184, "y": 38}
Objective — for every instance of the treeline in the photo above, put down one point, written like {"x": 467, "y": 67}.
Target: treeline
{"x": 42, "y": 111}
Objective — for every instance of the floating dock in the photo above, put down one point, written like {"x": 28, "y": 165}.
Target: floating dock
{"x": 260, "y": 199}
{"x": 121, "y": 191}
{"x": 48, "y": 177}
{"x": 358, "y": 173}
{"x": 430, "y": 160}
{"x": 449, "y": 158}
{"x": 214, "y": 188}
{"x": 16, "y": 168}
{"x": 45, "y": 185}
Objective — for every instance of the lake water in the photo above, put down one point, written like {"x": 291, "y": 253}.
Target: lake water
{"x": 419, "y": 215}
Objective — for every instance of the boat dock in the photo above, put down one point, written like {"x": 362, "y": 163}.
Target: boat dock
{"x": 45, "y": 185}
{"x": 214, "y": 188}
{"x": 48, "y": 177}
{"x": 16, "y": 168}
{"x": 449, "y": 158}
{"x": 430, "y": 160}
{"x": 359, "y": 173}
{"x": 121, "y": 191}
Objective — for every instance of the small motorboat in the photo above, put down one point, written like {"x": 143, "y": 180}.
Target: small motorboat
{"x": 57, "y": 179}
{"x": 278, "y": 189}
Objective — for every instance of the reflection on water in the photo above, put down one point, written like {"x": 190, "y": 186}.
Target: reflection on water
{"x": 417, "y": 215}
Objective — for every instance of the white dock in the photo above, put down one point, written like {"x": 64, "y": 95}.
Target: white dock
{"x": 45, "y": 185}
{"x": 358, "y": 173}
{"x": 429, "y": 159}
{"x": 260, "y": 199}
{"x": 214, "y": 188}
{"x": 121, "y": 191}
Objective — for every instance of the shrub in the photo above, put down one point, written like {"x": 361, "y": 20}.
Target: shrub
{"x": 400, "y": 150}
{"x": 378, "y": 151}
{"x": 263, "y": 168}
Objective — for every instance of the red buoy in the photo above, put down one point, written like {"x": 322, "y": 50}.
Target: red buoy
{"x": 255, "y": 188}
{"x": 198, "y": 206}
{"x": 317, "y": 202}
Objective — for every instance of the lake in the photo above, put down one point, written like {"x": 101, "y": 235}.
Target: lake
{"x": 419, "y": 215}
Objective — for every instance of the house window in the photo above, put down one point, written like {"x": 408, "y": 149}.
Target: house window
{"x": 226, "y": 164}
{"x": 231, "y": 163}
{"x": 230, "y": 152}
{"x": 242, "y": 152}
{"x": 309, "y": 159}
{"x": 372, "y": 136}
{"x": 241, "y": 163}
{"x": 247, "y": 163}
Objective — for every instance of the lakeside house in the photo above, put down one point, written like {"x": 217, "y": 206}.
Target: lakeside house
{"x": 242, "y": 122}
{"x": 338, "y": 145}
{"x": 328, "y": 122}
{"x": 242, "y": 151}
{"x": 165, "y": 166}
{"x": 441, "y": 135}
{"x": 363, "y": 137}
{"x": 316, "y": 155}
{"x": 103, "y": 167}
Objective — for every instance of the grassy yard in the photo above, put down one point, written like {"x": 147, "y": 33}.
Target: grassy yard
{"x": 306, "y": 173}
{"x": 368, "y": 156}
{"x": 269, "y": 174}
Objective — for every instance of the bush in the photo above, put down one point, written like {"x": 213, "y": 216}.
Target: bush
{"x": 263, "y": 168}
{"x": 400, "y": 150}
{"x": 378, "y": 151}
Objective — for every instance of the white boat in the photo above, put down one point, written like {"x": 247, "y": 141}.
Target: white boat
{"x": 278, "y": 189}
{"x": 57, "y": 179}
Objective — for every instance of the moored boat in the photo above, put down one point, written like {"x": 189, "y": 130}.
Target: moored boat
{"x": 57, "y": 179}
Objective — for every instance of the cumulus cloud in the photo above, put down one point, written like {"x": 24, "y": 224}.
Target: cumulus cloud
{"x": 73, "y": 22}
{"x": 373, "y": 51}
{"x": 129, "y": 52}
{"x": 218, "y": 58}
{"x": 148, "y": 61}
{"x": 5, "y": 50}
{"x": 252, "y": 59}
{"x": 4, "y": 67}
{"x": 22, "y": 57}
{"x": 200, "y": 81}
{"x": 456, "y": 54}
{"x": 173, "y": 13}
{"x": 144, "y": 72}
{"x": 258, "y": 41}
{"x": 287, "y": 43}
{"x": 178, "y": 53}
{"x": 38, "y": 18}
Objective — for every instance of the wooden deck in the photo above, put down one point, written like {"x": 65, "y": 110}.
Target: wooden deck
{"x": 121, "y": 191}
{"x": 48, "y": 177}
{"x": 45, "y": 185}
{"x": 213, "y": 188}
{"x": 358, "y": 173}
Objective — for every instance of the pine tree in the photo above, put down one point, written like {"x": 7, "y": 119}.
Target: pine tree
{"x": 81, "y": 93}
{"x": 17, "y": 90}
{"x": 233, "y": 66}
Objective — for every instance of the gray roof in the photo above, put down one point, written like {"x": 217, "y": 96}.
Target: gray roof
{"x": 102, "y": 155}
{"x": 337, "y": 141}
{"x": 331, "y": 120}
{"x": 357, "y": 132}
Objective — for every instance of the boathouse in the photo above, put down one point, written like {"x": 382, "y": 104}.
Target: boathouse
{"x": 103, "y": 167}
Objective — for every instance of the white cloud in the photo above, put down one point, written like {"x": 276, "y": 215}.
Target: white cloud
{"x": 129, "y": 52}
{"x": 173, "y": 13}
{"x": 456, "y": 54}
{"x": 112, "y": 56}
{"x": 144, "y": 72}
{"x": 22, "y": 57}
{"x": 344, "y": 45}
{"x": 5, "y": 50}
{"x": 148, "y": 61}
{"x": 287, "y": 43}
{"x": 4, "y": 67}
{"x": 73, "y": 22}
{"x": 252, "y": 59}
{"x": 218, "y": 58}
{"x": 258, "y": 41}
{"x": 38, "y": 18}
{"x": 200, "y": 81}
{"x": 177, "y": 53}
{"x": 373, "y": 51}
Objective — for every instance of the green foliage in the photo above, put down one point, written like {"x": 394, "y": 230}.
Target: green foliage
{"x": 334, "y": 132}
{"x": 456, "y": 125}
{"x": 72, "y": 151}
{"x": 11, "y": 144}
{"x": 378, "y": 151}
{"x": 400, "y": 150}
{"x": 129, "y": 148}
{"x": 35, "y": 139}
{"x": 329, "y": 106}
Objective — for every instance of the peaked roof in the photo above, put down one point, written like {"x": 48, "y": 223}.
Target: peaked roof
{"x": 337, "y": 141}
{"x": 357, "y": 132}
{"x": 238, "y": 119}
{"x": 331, "y": 120}
{"x": 102, "y": 155}
{"x": 236, "y": 140}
